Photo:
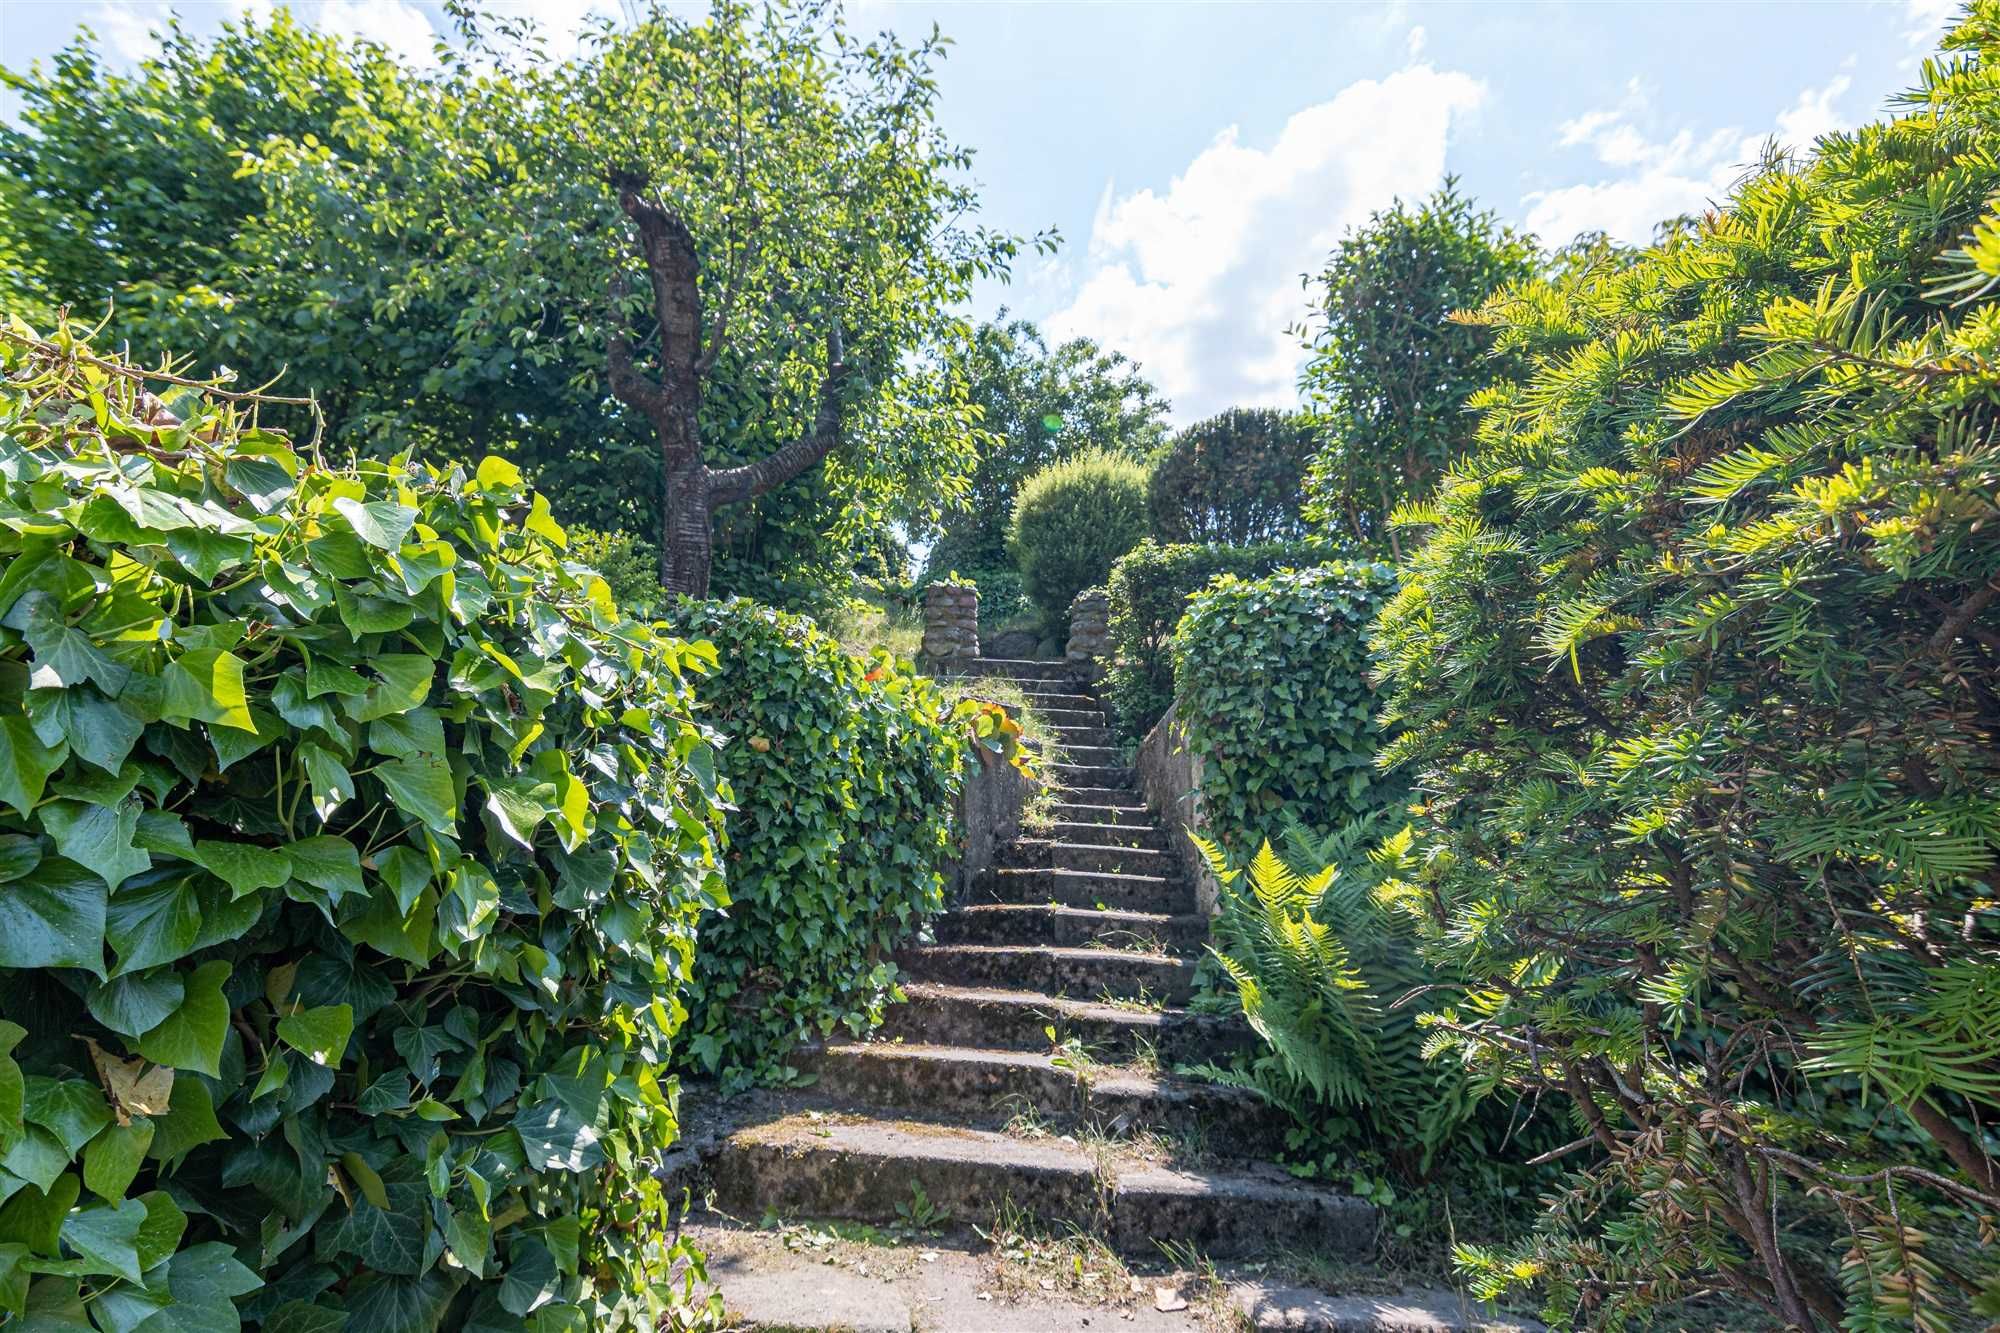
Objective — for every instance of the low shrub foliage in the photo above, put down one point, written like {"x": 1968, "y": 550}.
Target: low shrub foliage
{"x": 1149, "y": 589}
{"x": 844, "y": 771}
{"x": 351, "y": 849}
{"x": 1271, "y": 681}
{"x": 1695, "y": 681}
{"x": 1071, "y": 521}
{"x": 1233, "y": 479}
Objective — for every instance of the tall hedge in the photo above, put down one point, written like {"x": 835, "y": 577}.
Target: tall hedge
{"x": 1071, "y": 521}
{"x": 351, "y": 848}
{"x": 1271, "y": 678}
{"x": 1149, "y": 589}
{"x": 844, "y": 770}
{"x": 1233, "y": 479}
{"x": 1696, "y": 673}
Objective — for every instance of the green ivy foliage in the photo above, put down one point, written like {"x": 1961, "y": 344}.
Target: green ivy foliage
{"x": 1233, "y": 479}
{"x": 1271, "y": 682}
{"x": 1149, "y": 589}
{"x": 1071, "y": 521}
{"x": 845, "y": 771}
{"x": 1695, "y": 675}
{"x": 351, "y": 849}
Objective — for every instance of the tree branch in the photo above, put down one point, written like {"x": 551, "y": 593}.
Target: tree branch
{"x": 733, "y": 485}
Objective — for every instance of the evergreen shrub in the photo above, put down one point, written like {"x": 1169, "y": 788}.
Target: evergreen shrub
{"x": 351, "y": 849}
{"x": 1233, "y": 479}
{"x": 1071, "y": 521}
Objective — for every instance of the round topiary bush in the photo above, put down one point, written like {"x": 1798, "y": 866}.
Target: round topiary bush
{"x": 844, "y": 771}
{"x": 351, "y": 849}
{"x": 1071, "y": 522}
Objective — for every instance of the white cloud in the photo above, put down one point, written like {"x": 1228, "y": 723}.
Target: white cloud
{"x": 1660, "y": 178}
{"x": 1927, "y": 20}
{"x": 395, "y": 24}
{"x": 1414, "y": 43}
{"x": 1198, "y": 282}
{"x": 127, "y": 29}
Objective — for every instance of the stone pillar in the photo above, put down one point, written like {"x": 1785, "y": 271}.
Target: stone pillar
{"x": 951, "y": 622}
{"x": 1089, "y": 634}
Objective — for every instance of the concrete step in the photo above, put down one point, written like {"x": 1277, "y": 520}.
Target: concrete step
{"x": 1131, "y": 816}
{"x": 1037, "y": 669}
{"x": 831, "y": 1167}
{"x": 1081, "y": 734}
{"x": 1045, "y": 700}
{"x": 1070, "y": 927}
{"x": 1083, "y": 973}
{"x": 978, "y": 1085}
{"x": 1072, "y": 777}
{"x": 1087, "y": 888}
{"x": 1127, "y": 797}
{"x": 1092, "y": 833}
{"x": 1073, "y": 717}
{"x": 951, "y": 1014}
{"x": 1090, "y": 856}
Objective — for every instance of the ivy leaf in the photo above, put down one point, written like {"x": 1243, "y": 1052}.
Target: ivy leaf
{"x": 102, "y": 731}
{"x": 379, "y": 1304}
{"x": 53, "y": 917}
{"x": 318, "y": 1034}
{"x": 191, "y": 1037}
{"x": 98, "y": 837}
{"x": 165, "y": 1225}
{"x": 206, "y": 554}
{"x": 13, "y": 1087}
{"x": 206, "y": 685}
{"x": 111, "y": 1162}
{"x": 530, "y": 1280}
{"x": 262, "y": 481}
{"x": 130, "y": 1004}
{"x": 421, "y": 787}
{"x": 328, "y": 863}
{"x": 405, "y": 683}
{"x": 371, "y": 613}
{"x": 149, "y": 923}
{"x": 301, "y": 1317}
{"x": 388, "y": 1240}
{"x": 70, "y": 1109}
{"x": 243, "y": 867}
{"x": 556, "y": 1139}
{"x": 107, "y": 1237}
{"x": 189, "y": 1122}
{"x": 381, "y": 523}
{"x": 332, "y": 786}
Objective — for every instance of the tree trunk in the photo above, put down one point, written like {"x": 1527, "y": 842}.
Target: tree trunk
{"x": 686, "y": 539}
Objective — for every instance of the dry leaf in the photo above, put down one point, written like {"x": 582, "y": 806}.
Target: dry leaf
{"x": 132, "y": 1088}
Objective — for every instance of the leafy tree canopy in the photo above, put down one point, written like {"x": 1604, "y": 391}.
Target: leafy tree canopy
{"x": 1233, "y": 479}
{"x": 435, "y": 252}
{"x": 1390, "y": 370}
{"x": 1040, "y": 406}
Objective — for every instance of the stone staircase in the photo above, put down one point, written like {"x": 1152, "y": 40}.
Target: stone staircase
{"x": 1027, "y": 1074}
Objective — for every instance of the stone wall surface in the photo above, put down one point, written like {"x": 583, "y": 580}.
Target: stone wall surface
{"x": 1169, "y": 775}
{"x": 990, "y": 809}
{"x": 1089, "y": 633}
{"x": 951, "y": 621}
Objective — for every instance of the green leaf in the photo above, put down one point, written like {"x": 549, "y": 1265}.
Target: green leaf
{"x": 165, "y": 1225}
{"x": 71, "y": 1109}
{"x": 243, "y": 867}
{"x": 378, "y": 1304}
{"x": 318, "y": 1034}
{"x": 299, "y": 1317}
{"x": 206, "y": 554}
{"x": 380, "y": 523}
{"x": 530, "y": 1280}
{"x": 153, "y": 921}
{"x": 556, "y": 1139}
{"x": 324, "y": 677}
{"x": 13, "y": 1087}
{"x": 405, "y": 683}
{"x": 53, "y": 917}
{"x": 132, "y": 1004}
{"x": 328, "y": 863}
{"x": 107, "y": 1237}
{"x": 102, "y": 731}
{"x": 388, "y": 1240}
{"x": 189, "y": 1122}
{"x": 192, "y": 1036}
{"x": 262, "y": 481}
{"x": 332, "y": 786}
{"x": 421, "y": 787}
{"x": 368, "y": 613}
{"x": 111, "y": 1162}
{"x": 206, "y": 685}
{"x": 469, "y": 1237}
{"x": 98, "y": 837}
{"x": 388, "y": 929}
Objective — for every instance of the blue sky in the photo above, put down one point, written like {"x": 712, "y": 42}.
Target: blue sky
{"x": 1198, "y": 158}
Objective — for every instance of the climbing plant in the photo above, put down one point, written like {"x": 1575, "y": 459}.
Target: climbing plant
{"x": 1271, "y": 682}
{"x": 351, "y": 849}
{"x": 844, "y": 770}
